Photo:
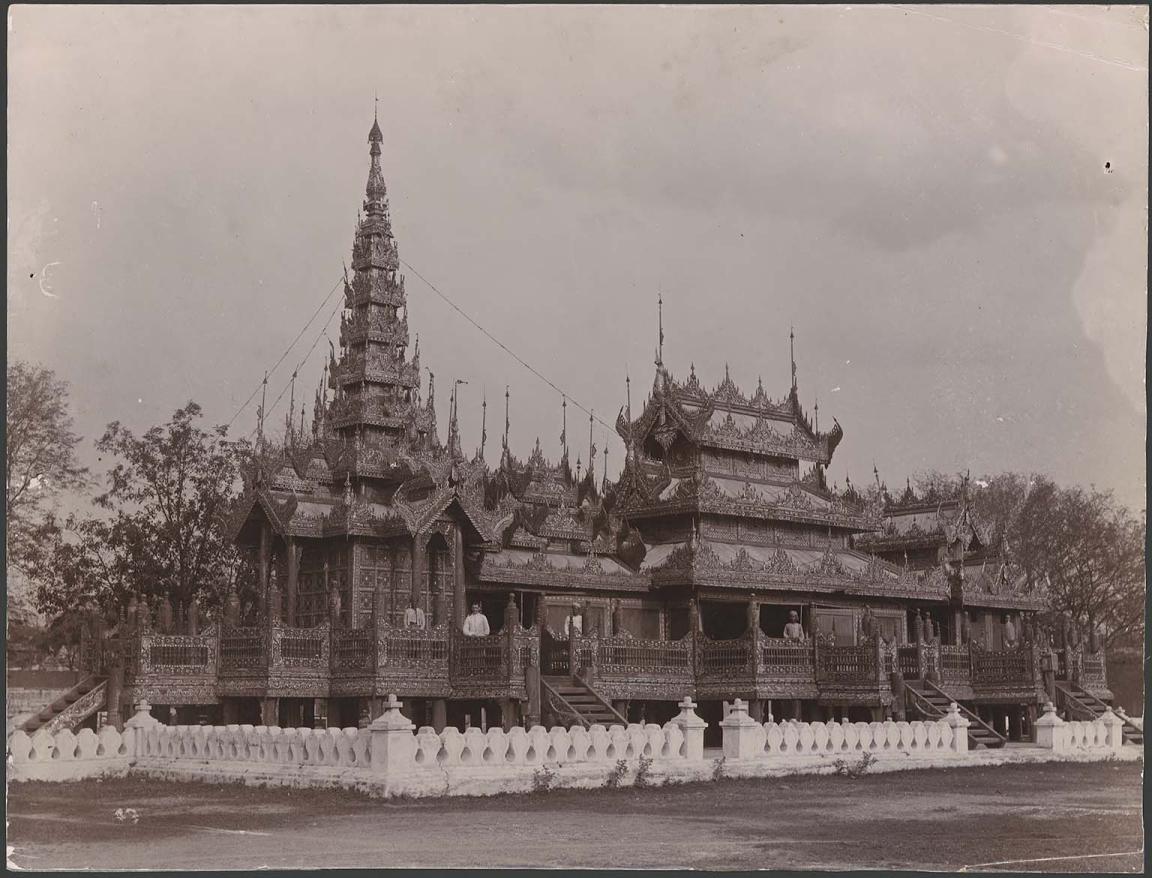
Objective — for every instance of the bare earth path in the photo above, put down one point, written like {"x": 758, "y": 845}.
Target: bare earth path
{"x": 1024, "y": 818}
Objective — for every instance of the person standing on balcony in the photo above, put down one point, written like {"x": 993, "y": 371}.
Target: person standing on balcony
{"x": 574, "y": 619}
{"x": 1010, "y": 635}
{"x": 793, "y": 630}
{"x": 414, "y": 618}
{"x": 476, "y": 625}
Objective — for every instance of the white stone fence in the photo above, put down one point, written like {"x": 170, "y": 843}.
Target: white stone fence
{"x": 67, "y": 756}
{"x": 1103, "y": 734}
{"x": 745, "y": 738}
{"x": 392, "y": 757}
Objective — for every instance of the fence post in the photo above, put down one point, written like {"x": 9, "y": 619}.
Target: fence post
{"x": 1049, "y": 729}
{"x": 1115, "y": 729}
{"x": 693, "y": 728}
{"x": 138, "y": 724}
{"x": 959, "y": 726}
{"x": 393, "y": 746}
{"x": 739, "y": 730}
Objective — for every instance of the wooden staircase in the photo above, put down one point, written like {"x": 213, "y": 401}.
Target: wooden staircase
{"x": 574, "y": 701}
{"x": 71, "y": 708}
{"x": 933, "y": 702}
{"x": 1085, "y": 705}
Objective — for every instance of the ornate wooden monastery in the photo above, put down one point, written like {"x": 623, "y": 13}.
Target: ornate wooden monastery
{"x": 372, "y": 540}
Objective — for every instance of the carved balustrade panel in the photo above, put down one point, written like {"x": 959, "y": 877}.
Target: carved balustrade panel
{"x": 782, "y": 659}
{"x": 243, "y": 649}
{"x": 554, "y": 658}
{"x": 412, "y": 648}
{"x": 353, "y": 650}
{"x": 480, "y": 659}
{"x": 623, "y": 655}
{"x": 301, "y": 647}
{"x": 955, "y": 665}
{"x": 182, "y": 654}
{"x": 848, "y": 664}
{"x": 1007, "y": 667}
{"x": 724, "y": 660}
{"x": 908, "y": 661}
{"x": 1093, "y": 671}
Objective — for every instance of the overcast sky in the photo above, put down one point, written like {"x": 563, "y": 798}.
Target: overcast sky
{"x": 948, "y": 203}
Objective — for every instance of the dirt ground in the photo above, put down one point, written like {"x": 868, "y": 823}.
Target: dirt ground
{"x": 1051, "y": 817}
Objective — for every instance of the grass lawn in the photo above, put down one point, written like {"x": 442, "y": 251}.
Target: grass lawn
{"x": 1033, "y": 815}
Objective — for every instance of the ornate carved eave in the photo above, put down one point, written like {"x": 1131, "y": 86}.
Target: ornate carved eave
{"x": 748, "y": 510}
{"x": 539, "y": 571}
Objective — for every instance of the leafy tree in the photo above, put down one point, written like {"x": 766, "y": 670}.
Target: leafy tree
{"x": 1089, "y": 553}
{"x": 164, "y": 527}
{"x": 40, "y": 456}
{"x": 1085, "y": 549}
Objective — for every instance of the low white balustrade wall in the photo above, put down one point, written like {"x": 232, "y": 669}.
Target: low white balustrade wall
{"x": 1103, "y": 734}
{"x": 257, "y": 745}
{"x": 745, "y": 738}
{"x": 63, "y": 756}
{"x": 541, "y": 746}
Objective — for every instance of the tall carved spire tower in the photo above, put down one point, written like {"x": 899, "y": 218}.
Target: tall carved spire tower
{"x": 377, "y": 386}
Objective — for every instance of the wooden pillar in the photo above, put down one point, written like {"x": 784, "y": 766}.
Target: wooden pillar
{"x": 439, "y": 714}
{"x": 797, "y": 707}
{"x": 756, "y": 709}
{"x": 459, "y": 610}
{"x": 1014, "y": 723}
{"x": 294, "y": 552}
{"x": 418, "y": 547}
{"x": 113, "y": 693}
{"x": 509, "y": 713}
{"x": 229, "y": 711}
{"x": 957, "y": 625}
{"x": 264, "y": 557}
{"x": 753, "y": 615}
{"x": 269, "y": 711}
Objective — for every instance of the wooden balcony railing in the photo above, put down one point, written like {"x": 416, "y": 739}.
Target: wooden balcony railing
{"x": 414, "y": 648}
{"x": 724, "y": 660}
{"x": 1006, "y": 667}
{"x": 493, "y": 666}
{"x": 862, "y": 665}
{"x": 908, "y": 661}
{"x": 955, "y": 665}
{"x": 780, "y": 659}
{"x": 1093, "y": 671}
{"x": 298, "y": 648}
{"x": 353, "y": 651}
{"x": 243, "y": 649}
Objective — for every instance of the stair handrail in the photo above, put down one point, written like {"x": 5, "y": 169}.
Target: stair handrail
{"x": 925, "y": 706}
{"x": 971, "y": 717}
{"x": 1073, "y": 701}
{"x": 1086, "y": 709}
{"x": 555, "y": 697}
{"x": 603, "y": 702}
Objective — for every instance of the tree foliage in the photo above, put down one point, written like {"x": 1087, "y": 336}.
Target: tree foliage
{"x": 40, "y": 456}
{"x": 1083, "y": 548}
{"x": 163, "y": 532}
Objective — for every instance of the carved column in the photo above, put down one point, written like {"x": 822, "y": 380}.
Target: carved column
{"x": 294, "y": 552}
{"x": 419, "y": 546}
{"x": 264, "y": 560}
{"x": 459, "y": 610}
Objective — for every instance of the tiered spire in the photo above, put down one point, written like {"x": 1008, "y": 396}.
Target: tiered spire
{"x": 377, "y": 385}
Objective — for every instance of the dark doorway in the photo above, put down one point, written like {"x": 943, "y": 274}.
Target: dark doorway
{"x": 723, "y": 621}
{"x": 773, "y": 618}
